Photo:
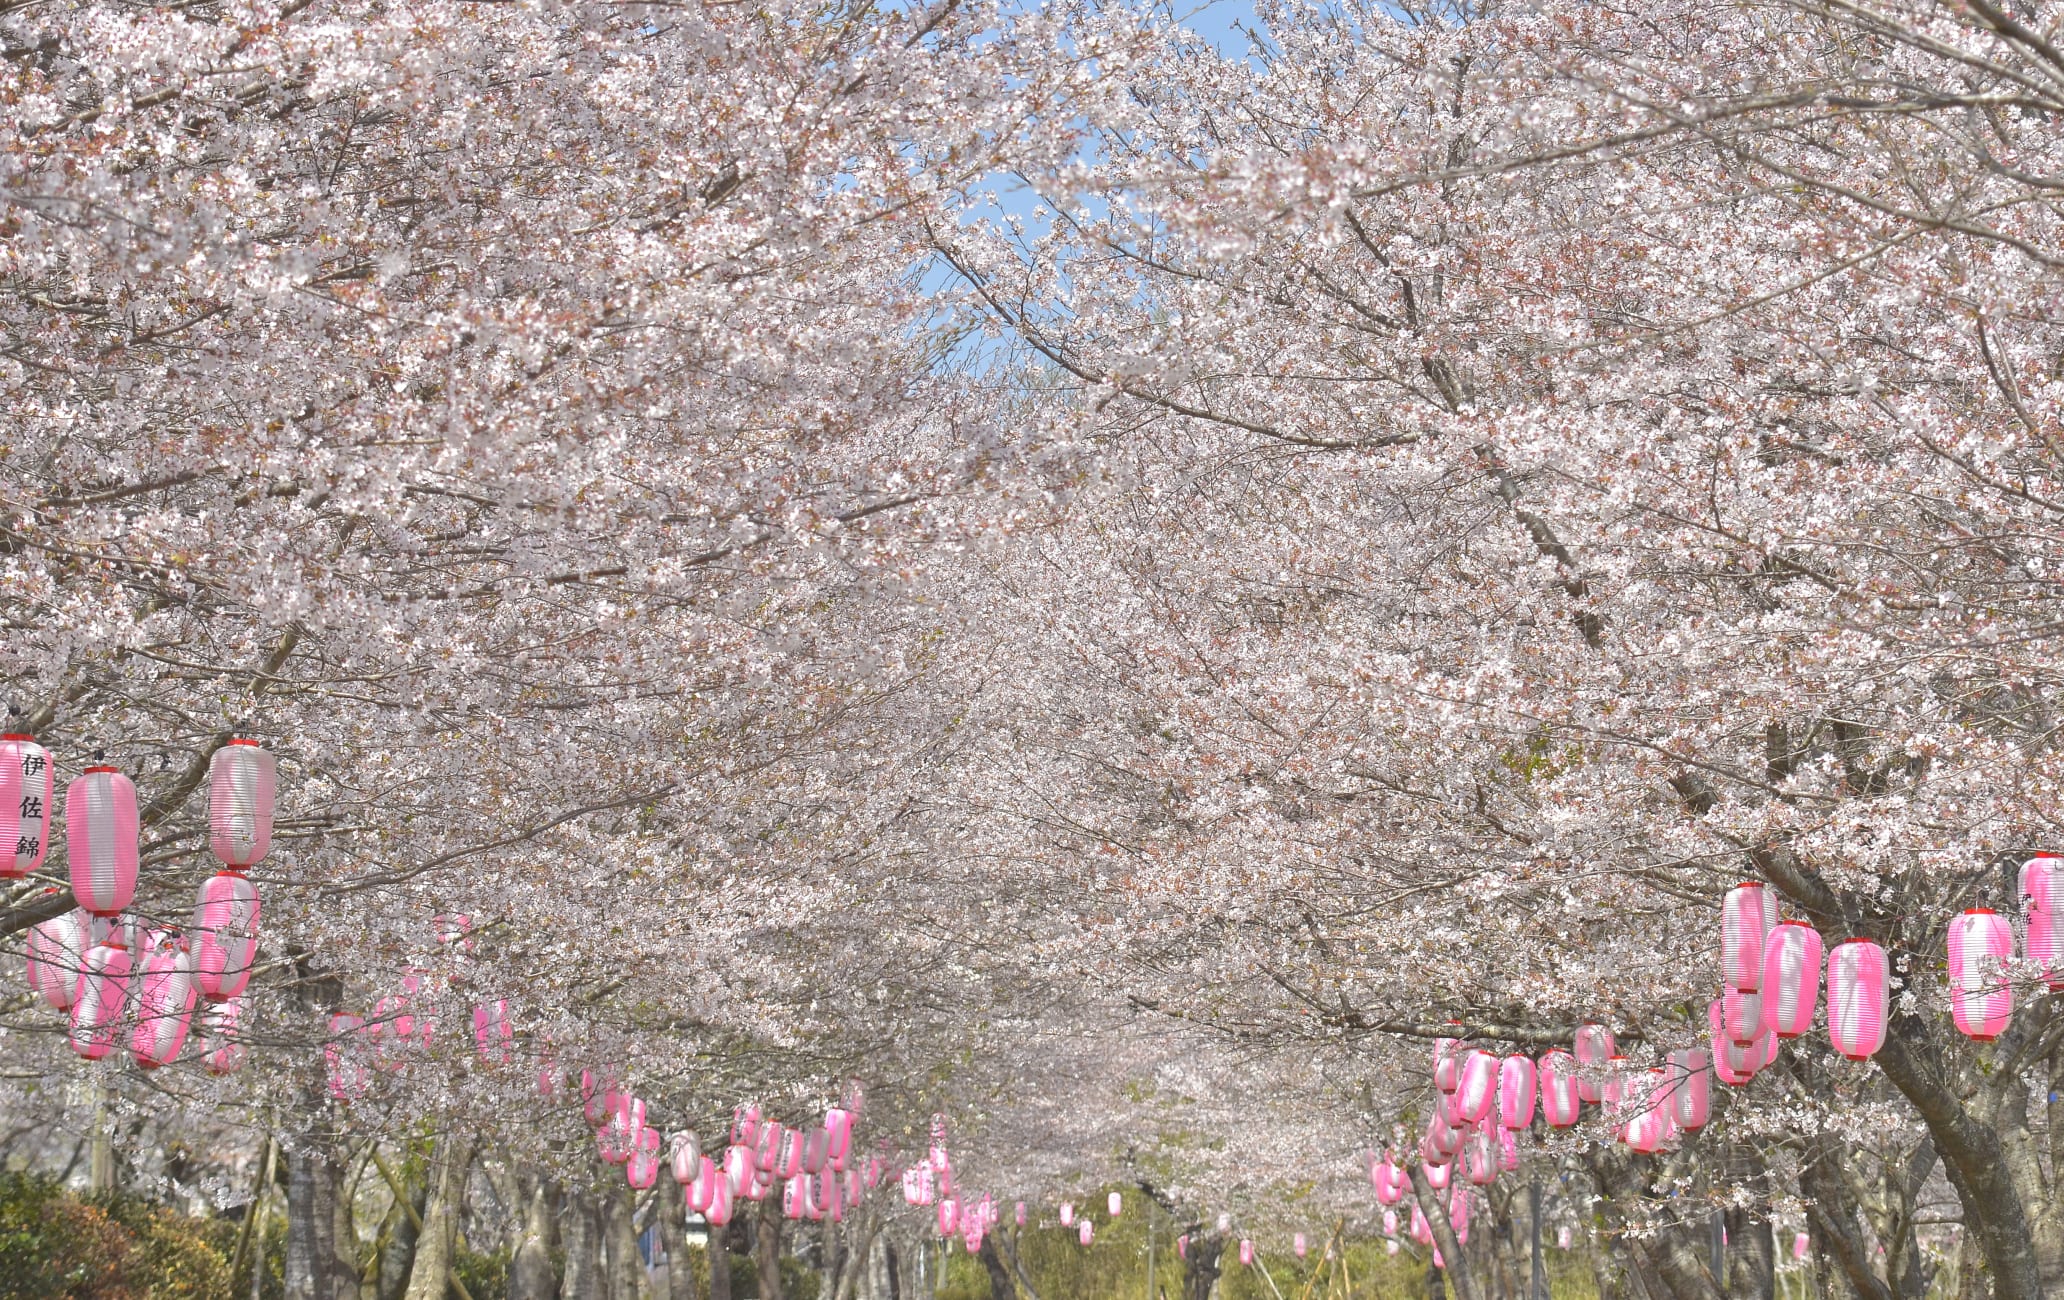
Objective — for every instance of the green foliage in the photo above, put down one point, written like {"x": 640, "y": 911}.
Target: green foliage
{"x": 486, "y": 1275}
{"x": 56, "y": 1246}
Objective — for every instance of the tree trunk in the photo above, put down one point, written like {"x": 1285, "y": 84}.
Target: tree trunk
{"x": 620, "y": 1240}
{"x": 1200, "y": 1263}
{"x": 895, "y": 1281}
{"x": 400, "y": 1256}
{"x": 583, "y": 1276}
{"x": 311, "y": 1264}
{"x": 530, "y": 1265}
{"x": 1000, "y": 1287}
{"x": 719, "y": 1253}
{"x": 1454, "y": 1264}
{"x": 767, "y": 1249}
{"x": 672, "y": 1213}
{"x": 449, "y": 1170}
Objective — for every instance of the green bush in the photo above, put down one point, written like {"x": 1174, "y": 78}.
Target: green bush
{"x": 56, "y": 1246}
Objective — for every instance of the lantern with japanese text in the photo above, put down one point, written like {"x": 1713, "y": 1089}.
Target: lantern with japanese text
{"x": 1447, "y": 1062}
{"x": 28, "y": 785}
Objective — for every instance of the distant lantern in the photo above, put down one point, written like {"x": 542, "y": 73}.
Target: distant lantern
{"x": 1741, "y": 1015}
{"x": 1691, "y": 1090}
{"x": 1390, "y": 1223}
{"x": 1594, "y": 1047}
{"x": 241, "y": 782}
{"x": 1800, "y": 1245}
{"x": 100, "y": 839}
{"x": 164, "y": 1002}
{"x": 103, "y": 992}
{"x": 1748, "y": 915}
{"x": 57, "y": 957}
{"x": 1067, "y": 1214}
{"x": 1561, "y": 1097}
{"x": 1477, "y": 1087}
{"x": 1437, "y": 1176}
{"x": 1246, "y": 1254}
{"x": 28, "y": 783}
{"x": 684, "y": 1158}
{"x": 1791, "y": 979}
{"x": 1422, "y": 1231}
{"x": 1085, "y": 1232}
{"x": 745, "y": 1126}
{"x": 1117, "y": 1204}
{"x": 642, "y": 1169}
{"x": 1021, "y": 1214}
{"x": 824, "y": 1199}
{"x": 816, "y": 1151}
{"x": 493, "y": 1031}
{"x": 1442, "y": 1137}
{"x": 767, "y": 1146}
{"x": 1388, "y": 1180}
{"x": 1297, "y": 1244}
{"x": 1980, "y": 999}
{"x": 838, "y": 1123}
{"x": 225, "y": 930}
{"x": 1480, "y": 1159}
{"x": 1182, "y": 1246}
{"x": 1858, "y": 980}
{"x": 1516, "y": 1084}
{"x": 1447, "y": 1061}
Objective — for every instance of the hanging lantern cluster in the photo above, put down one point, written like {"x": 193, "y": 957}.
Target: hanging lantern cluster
{"x": 812, "y": 1165}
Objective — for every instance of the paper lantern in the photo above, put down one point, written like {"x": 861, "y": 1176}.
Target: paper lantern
{"x": 1447, "y": 1062}
{"x": 745, "y": 1126}
{"x": 1247, "y": 1254}
{"x": 1390, "y": 1223}
{"x": 1458, "y": 1215}
{"x": 1422, "y": 1231}
{"x": 1613, "y": 1095}
{"x": 1791, "y": 979}
{"x": 792, "y": 1201}
{"x": 2042, "y": 883}
{"x": 1980, "y": 999}
{"x": 225, "y": 930}
{"x": 767, "y": 1146}
{"x": 824, "y": 1192}
{"x": 1691, "y": 1090}
{"x": 1388, "y": 1179}
{"x": 1117, "y": 1203}
{"x": 1390, "y": 1248}
{"x": 1561, "y": 1097}
{"x": 220, "y": 1022}
{"x": 1480, "y": 1159}
{"x": 1654, "y": 1123}
{"x": 2043, "y": 944}
{"x": 28, "y": 785}
{"x": 103, "y": 992}
{"x": 1800, "y": 1245}
{"x": 1067, "y": 1215}
{"x": 1508, "y": 1150}
{"x": 164, "y": 1003}
{"x": 719, "y": 1211}
{"x": 1085, "y": 1232}
{"x": 642, "y": 1168}
{"x": 57, "y": 957}
{"x": 1747, "y": 916}
{"x": 1516, "y": 1085}
{"x": 1297, "y": 1244}
{"x": 1858, "y": 980}
{"x": 684, "y": 1157}
{"x": 1182, "y": 1246}
{"x": 739, "y": 1167}
{"x": 598, "y": 1100}
{"x": 1741, "y": 1015}
{"x": 838, "y": 1123}
{"x": 1476, "y": 1087}
{"x": 1437, "y": 1176}
{"x": 241, "y": 781}
{"x": 1734, "y": 1063}
{"x": 494, "y": 1032}
{"x": 100, "y": 839}
{"x": 1594, "y": 1047}
{"x": 1562, "y": 1238}
{"x": 816, "y": 1146}
{"x": 761, "y": 1186}
{"x": 702, "y": 1189}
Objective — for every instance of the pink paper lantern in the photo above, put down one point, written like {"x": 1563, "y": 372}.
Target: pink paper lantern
{"x": 838, "y": 1123}
{"x": 1800, "y": 1246}
{"x": 1516, "y": 1087}
{"x": 1594, "y": 1047}
{"x": 1445, "y": 1138}
{"x": 2044, "y": 945}
{"x": 1747, "y": 916}
{"x": 1117, "y": 1204}
{"x": 816, "y": 1150}
{"x": 1741, "y": 1015}
{"x": 1422, "y": 1231}
{"x": 494, "y": 1032}
{"x": 792, "y": 1203}
{"x": 57, "y": 957}
{"x": 767, "y": 1148}
{"x": 1508, "y": 1150}
{"x": 100, "y": 839}
{"x": 1477, "y": 1086}
{"x": 103, "y": 992}
{"x": 745, "y": 1126}
{"x": 225, "y": 928}
{"x": 1297, "y": 1244}
{"x": 1085, "y": 1232}
{"x": 642, "y": 1168}
{"x": 702, "y": 1189}
{"x": 241, "y": 783}
{"x": 719, "y": 1210}
{"x": 1561, "y": 1097}
{"x": 1447, "y": 1062}
{"x": 28, "y": 786}
{"x": 348, "y": 1079}
{"x": 1246, "y": 1254}
{"x": 1791, "y": 979}
{"x": 1691, "y": 1090}
{"x": 2042, "y": 883}
{"x": 1480, "y": 1159}
{"x": 684, "y": 1157}
{"x": 1388, "y": 1179}
{"x": 1437, "y": 1176}
{"x": 824, "y": 1192}
{"x": 1182, "y": 1246}
{"x": 738, "y": 1169}
{"x": 164, "y": 1003}
{"x": 220, "y": 1022}
{"x": 1734, "y": 1063}
{"x": 1980, "y": 999}
{"x": 1858, "y": 981}
{"x": 1390, "y": 1223}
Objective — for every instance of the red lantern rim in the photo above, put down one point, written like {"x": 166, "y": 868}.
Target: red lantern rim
{"x": 1854, "y": 939}
{"x": 1750, "y": 884}
{"x": 243, "y": 742}
{"x": 16, "y": 735}
{"x": 1979, "y": 911}
{"x": 102, "y": 768}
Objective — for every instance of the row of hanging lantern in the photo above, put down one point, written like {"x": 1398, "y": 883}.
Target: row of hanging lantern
{"x": 403, "y": 1024}
{"x": 96, "y": 966}
{"x": 813, "y": 1165}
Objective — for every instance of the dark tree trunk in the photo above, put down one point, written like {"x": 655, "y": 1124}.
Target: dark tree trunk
{"x": 625, "y": 1270}
{"x": 895, "y": 1279}
{"x": 311, "y": 1264}
{"x": 1200, "y": 1264}
{"x": 766, "y": 1253}
{"x": 583, "y": 1230}
{"x": 673, "y": 1212}
{"x": 719, "y": 1253}
{"x": 530, "y": 1267}
{"x": 1000, "y": 1287}
{"x": 400, "y": 1255}
{"x": 1452, "y": 1260}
